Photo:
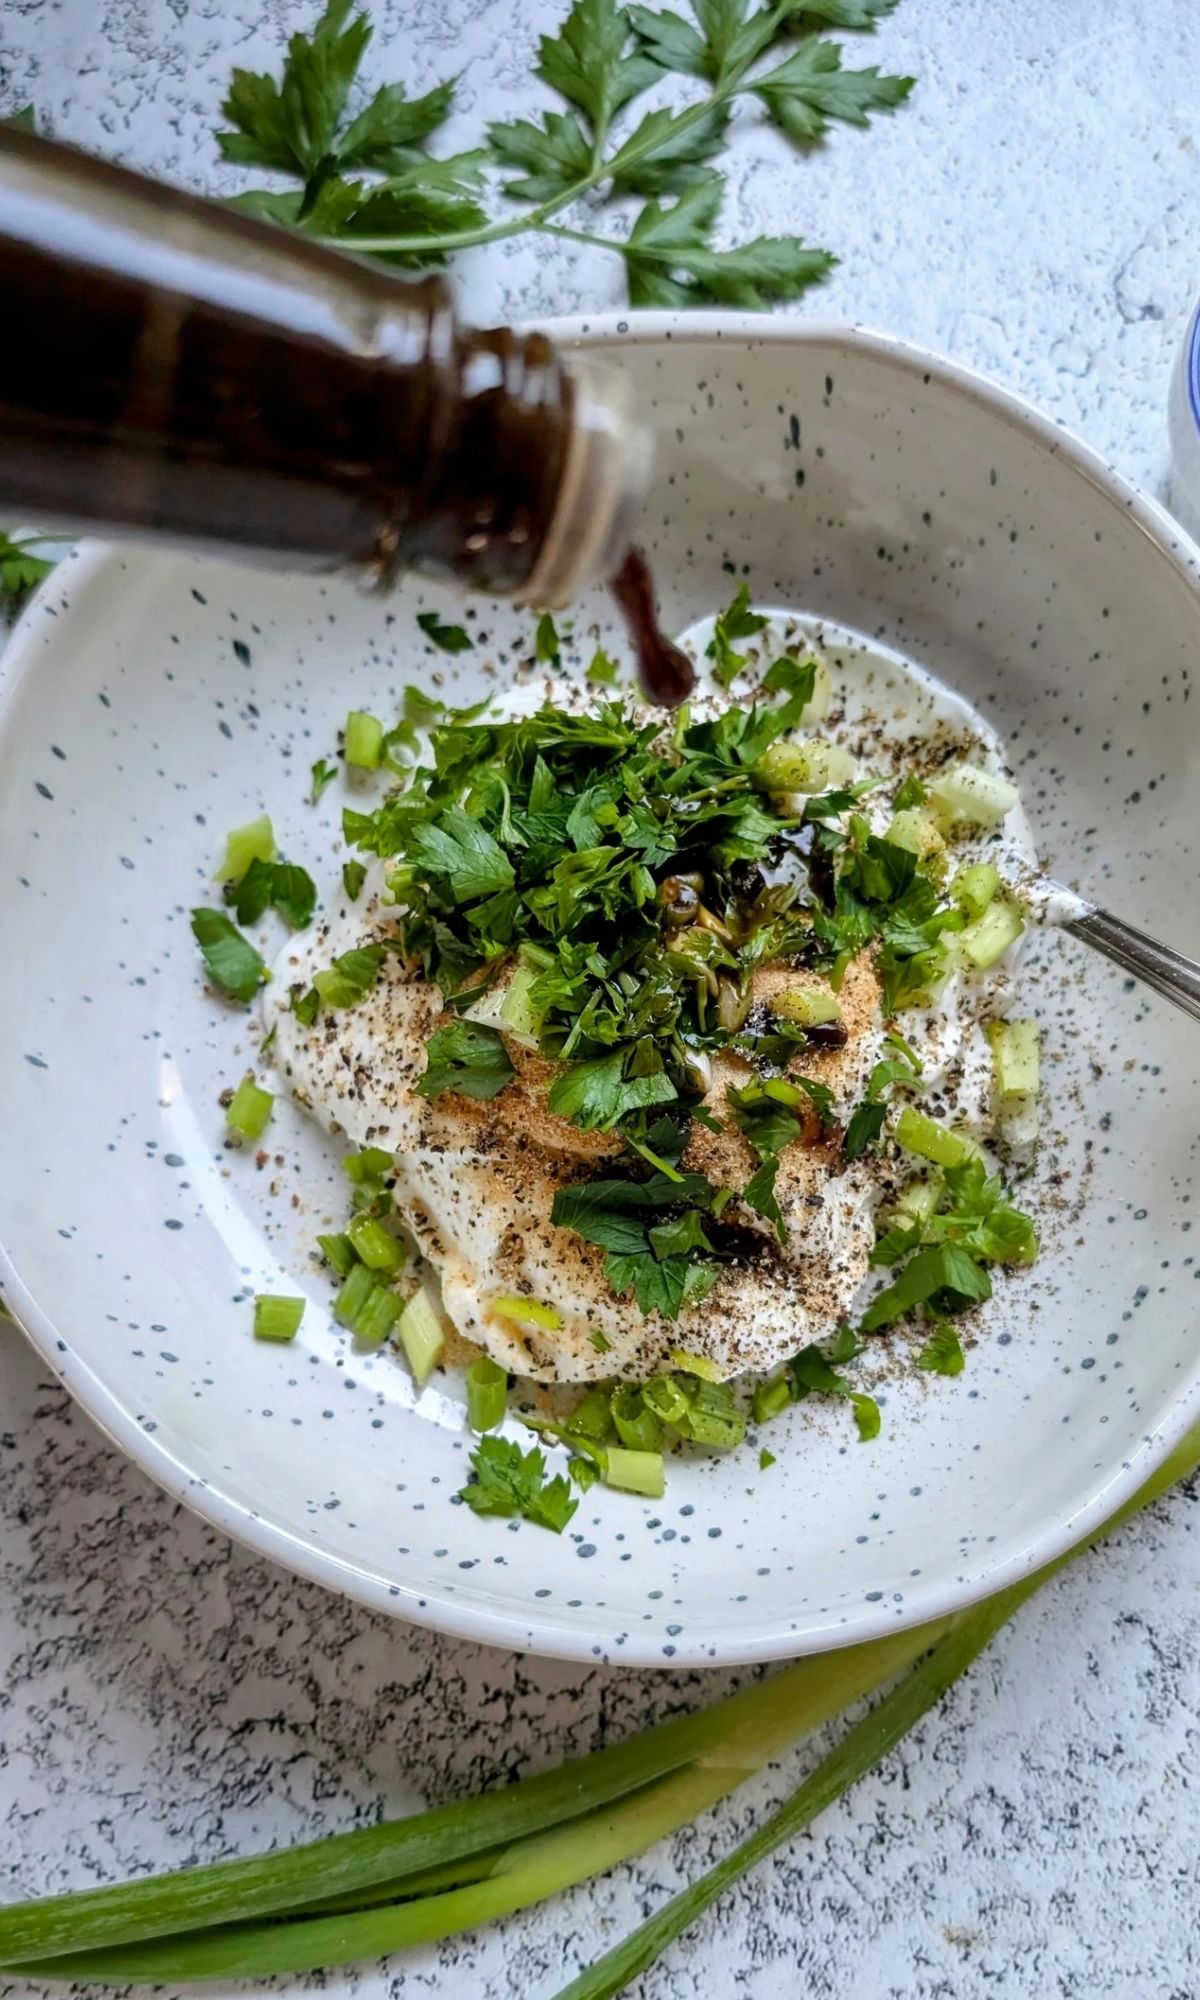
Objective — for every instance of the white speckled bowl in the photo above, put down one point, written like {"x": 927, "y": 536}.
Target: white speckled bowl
{"x": 148, "y": 704}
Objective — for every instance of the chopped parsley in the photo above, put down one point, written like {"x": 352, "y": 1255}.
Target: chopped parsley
{"x": 449, "y": 638}
{"x": 229, "y": 958}
{"x": 323, "y": 775}
{"x": 507, "y": 1480}
{"x": 468, "y": 1059}
{"x": 279, "y": 885}
{"x": 737, "y": 621}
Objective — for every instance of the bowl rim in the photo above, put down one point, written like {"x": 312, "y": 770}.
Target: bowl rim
{"x": 1191, "y": 371}
{"x": 545, "y": 1635}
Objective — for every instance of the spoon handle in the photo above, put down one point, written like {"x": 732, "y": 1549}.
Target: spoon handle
{"x": 1169, "y": 972}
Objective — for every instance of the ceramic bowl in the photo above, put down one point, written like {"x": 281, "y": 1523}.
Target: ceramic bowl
{"x": 149, "y": 703}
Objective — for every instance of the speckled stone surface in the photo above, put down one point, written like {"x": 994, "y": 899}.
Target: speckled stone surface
{"x": 165, "y": 1697}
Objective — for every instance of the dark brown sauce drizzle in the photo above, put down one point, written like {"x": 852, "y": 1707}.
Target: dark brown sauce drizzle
{"x": 666, "y": 673}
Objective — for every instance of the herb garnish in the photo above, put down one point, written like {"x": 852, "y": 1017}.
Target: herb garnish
{"x": 450, "y": 638}
{"x": 368, "y": 181}
{"x": 507, "y": 1480}
{"x": 229, "y": 958}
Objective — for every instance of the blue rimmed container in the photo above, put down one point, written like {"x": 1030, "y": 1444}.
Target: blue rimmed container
{"x": 1185, "y": 429}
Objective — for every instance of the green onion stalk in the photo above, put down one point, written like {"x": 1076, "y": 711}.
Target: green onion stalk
{"x": 369, "y": 1893}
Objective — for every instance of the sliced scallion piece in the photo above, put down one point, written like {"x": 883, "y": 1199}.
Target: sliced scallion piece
{"x": 638, "y": 1427}
{"x": 985, "y": 942}
{"x": 244, "y": 844}
{"x": 1016, "y": 1057}
{"x": 528, "y": 1312}
{"x": 635, "y": 1471}
{"x": 363, "y": 740}
{"x": 771, "y": 1398}
{"x": 922, "y": 1135}
{"x": 249, "y": 1109}
{"x": 421, "y": 1336}
{"x": 355, "y": 1294}
{"x": 487, "y": 1394}
{"x": 277, "y": 1318}
{"x": 340, "y": 1252}
{"x": 967, "y": 794}
{"x": 974, "y": 888}
{"x": 377, "y": 1248}
{"x": 376, "y": 1318}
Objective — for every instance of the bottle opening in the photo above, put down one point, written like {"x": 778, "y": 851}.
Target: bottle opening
{"x": 610, "y": 458}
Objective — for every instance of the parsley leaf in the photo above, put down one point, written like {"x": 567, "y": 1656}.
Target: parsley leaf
{"x": 466, "y": 1058}
{"x": 812, "y": 1371}
{"x": 323, "y": 775}
{"x": 547, "y": 646}
{"x": 942, "y": 1352}
{"x": 943, "y": 1273}
{"x": 737, "y": 621}
{"x": 279, "y": 885}
{"x": 664, "y": 1286}
{"x": 230, "y": 959}
{"x": 810, "y": 87}
{"x": 598, "y": 1093}
{"x": 759, "y": 1194}
{"x": 456, "y": 847}
{"x": 507, "y": 1480}
{"x": 450, "y": 638}
{"x": 618, "y": 1214}
{"x": 20, "y": 569}
{"x": 670, "y": 259}
{"x": 350, "y": 977}
{"x": 353, "y": 877}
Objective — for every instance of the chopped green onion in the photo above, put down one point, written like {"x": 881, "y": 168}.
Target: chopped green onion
{"x": 487, "y": 1394}
{"x": 376, "y": 1246}
{"x": 356, "y": 1292}
{"x": 814, "y": 766}
{"x": 421, "y": 1336}
{"x": 985, "y": 942}
{"x": 340, "y": 1252}
{"x": 916, "y": 1202}
{"x": 519, "y": 1017}
{"x": 1016, "y": 1057}
{"x": 592, "y": 1418}
{"x": 974, "y": 888}
{"x": 253, "y": 842}
{"x": 915, "y": 831}
{"x": 277, "y": 1318}
{"x": 249, "y": 1110}
{"x": 695, "y": 1364}
{"x": 765, "y": 1458}
{"x": 923, "y": 1136}
{"x": 667, "y": 1400}
{"x": 771, "y": 1398}
{"x": 638, "y": 1426}
{"x": 969, "y": 794}
{"x": 635, "y": 1471}
{"x": 377, "y": 1317}
{"x": 364, "y": 740}
{"x": 807, "y": 1006}
{"x": 527, "y": 1312}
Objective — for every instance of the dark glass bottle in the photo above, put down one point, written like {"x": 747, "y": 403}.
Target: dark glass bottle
{"x": 169, "y": 367}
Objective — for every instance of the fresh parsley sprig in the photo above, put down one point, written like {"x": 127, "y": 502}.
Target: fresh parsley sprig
{"x": 368, "y": 181}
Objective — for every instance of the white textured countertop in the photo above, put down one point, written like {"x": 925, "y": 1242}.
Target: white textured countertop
{"x": 164, "y": 1697}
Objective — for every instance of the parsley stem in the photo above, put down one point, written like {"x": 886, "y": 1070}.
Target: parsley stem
{"x": 536, "y": 218}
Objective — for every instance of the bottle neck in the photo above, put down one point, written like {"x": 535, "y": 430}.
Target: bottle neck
{"x": 171, "y": 369}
